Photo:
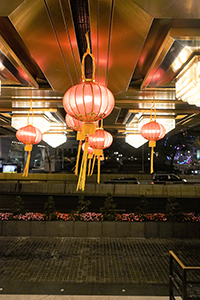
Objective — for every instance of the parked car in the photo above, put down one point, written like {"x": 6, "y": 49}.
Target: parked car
{"x": 127, "y": 180}
{"x": 167, "y": 178}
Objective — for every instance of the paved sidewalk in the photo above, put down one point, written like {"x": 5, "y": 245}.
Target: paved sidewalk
{"x": 90, "y": 266}
{"x": 67, "y": 297}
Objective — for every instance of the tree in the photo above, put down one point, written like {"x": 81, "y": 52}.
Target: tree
{"x": 108, "y": 210}
{"x": 18, "y": 206}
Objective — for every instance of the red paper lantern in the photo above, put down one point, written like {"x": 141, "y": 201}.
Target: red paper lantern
{"x": 29, "y": 135}
{"x": 74, "y": 124}
{"x": 100, "y": 140}
{"x": 153, "y": 131}
{"x": 88, "y": 101}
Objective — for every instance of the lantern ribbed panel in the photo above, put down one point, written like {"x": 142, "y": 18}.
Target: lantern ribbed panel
{"x": 90, "y": 149}
{"x": 73, "y": 123}
{"x": 153, "y": 131}
{"x": 100, "y": 140}
{"x": 88, "y": 101}
{"x": 29, "y": 135}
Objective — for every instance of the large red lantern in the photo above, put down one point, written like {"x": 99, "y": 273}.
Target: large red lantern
{"x": 88, "y": 101}
{"x": 99, "y": 141}
{"x": 28, "y": 135}
{"x": 153, "y": 132}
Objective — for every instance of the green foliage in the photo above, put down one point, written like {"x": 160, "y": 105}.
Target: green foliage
{"x": 108, "y": 210}
{"x": 49, "y": 208}
{"x": 83, "y": 205}
{"x": 18, "y": 206}
{"x": 173, "y": 209}
{"x": 142, "y": 206}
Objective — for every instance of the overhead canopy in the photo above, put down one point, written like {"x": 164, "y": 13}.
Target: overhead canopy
{"x": 136, "y": 44}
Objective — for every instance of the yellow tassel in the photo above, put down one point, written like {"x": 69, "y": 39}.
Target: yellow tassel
{"x": 89, "y": 166}
{"x": 94, "y": 158}
{"x": 78, "y": 157}
{"x": 82, "y": 175}
{"x": 151, "y": 168}
{"x": 26, "y": 169}
{"x": 98, "y": 172}
{"x": 27, "y": 148}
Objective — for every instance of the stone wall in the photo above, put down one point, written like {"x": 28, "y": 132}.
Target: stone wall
{"x": 100, "y": 229}
{"x": 52, "y": 188}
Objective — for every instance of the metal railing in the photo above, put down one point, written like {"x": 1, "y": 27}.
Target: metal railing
{"x": 185, "y": 279}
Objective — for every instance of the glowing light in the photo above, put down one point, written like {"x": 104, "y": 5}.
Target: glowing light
{"x": 54, "y": 139}
{"x": 135, "y": 140}
{"x": 188, "y": 82}
{"x": 37, "y": 121}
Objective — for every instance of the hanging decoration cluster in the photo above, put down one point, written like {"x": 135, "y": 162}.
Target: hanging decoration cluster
{"x": 153, "y": 132}
{"x": 88, "y": 102}
{"x": 99, "y": 141}
{"x": 28, "y": 135}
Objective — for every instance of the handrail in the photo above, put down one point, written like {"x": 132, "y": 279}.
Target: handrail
{"x": 181, "y": 264}
{"x": 179, "y": 278}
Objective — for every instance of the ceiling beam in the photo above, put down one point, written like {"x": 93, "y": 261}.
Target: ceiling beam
{"x": 14, "y": 109}
{"x": 167, "y": 111}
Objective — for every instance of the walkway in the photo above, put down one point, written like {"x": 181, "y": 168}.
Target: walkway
{"x": 94, "y": 267}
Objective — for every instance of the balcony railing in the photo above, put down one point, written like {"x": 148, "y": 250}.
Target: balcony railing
{"x": 184, "y": 279}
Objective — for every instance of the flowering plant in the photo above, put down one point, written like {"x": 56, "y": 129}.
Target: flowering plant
{"x": 92, "y": 216}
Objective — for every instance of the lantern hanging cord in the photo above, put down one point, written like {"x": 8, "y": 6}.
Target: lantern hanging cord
{"x": 151, "y": 111}
{"x": 88, "y": 52}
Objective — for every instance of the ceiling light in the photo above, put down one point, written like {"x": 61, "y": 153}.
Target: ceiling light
{"x": 188, "y": 82}
{"x": 38, "y": 121}
{"x": 135, "y": 140}
{"x": 54, "y": 139}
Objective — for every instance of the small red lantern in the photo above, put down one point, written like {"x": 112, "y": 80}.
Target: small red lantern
{"x": 29, "y": 135}
{"x": 99, "y": 141}
{"x": 153, "y": 132}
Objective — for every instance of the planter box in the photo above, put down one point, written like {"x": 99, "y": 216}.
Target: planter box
{"x": 100, "y": 229}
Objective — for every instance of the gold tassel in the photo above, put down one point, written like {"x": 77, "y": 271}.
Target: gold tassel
{"x": 78, "y": 157}
{"x": 151, "y": 168}
{"x": 27, "y": 148}
{"x": 98, "y": 172}
{"x": 94, "y": 158}
{"x": 89, "y": 164}
{"x": 82, "y": 175}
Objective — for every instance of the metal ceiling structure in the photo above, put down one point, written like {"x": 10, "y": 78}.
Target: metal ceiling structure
{"x": 135, "y": 44}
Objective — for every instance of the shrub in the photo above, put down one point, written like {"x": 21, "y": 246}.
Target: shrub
{"x": 49, "y": 208}
{"x": 108, "y": 210}
{"x": 173, "y": 210}
{"x": 17, "y": 206}
{"x": 142, "y": 206}
{"x": 82, "y": 207}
